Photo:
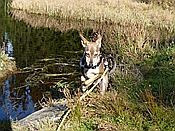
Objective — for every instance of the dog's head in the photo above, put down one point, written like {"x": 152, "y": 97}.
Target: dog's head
{"x": 91, "y": 50}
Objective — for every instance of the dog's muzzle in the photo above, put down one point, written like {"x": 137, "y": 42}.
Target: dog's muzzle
{"x": 90, "y": 64}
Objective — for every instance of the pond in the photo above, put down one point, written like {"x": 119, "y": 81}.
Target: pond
{"x": 44, "y": 57}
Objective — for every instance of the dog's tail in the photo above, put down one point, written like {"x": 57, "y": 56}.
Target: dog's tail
{"x": 111, "y": 63}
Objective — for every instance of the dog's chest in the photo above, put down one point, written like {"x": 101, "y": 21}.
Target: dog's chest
{"x": 91, "y": 72}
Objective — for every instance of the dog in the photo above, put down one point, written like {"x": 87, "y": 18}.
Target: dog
{"x": 93, "y": 63}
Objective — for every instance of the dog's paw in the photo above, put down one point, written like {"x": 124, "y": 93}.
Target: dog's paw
{"x": 84, "y": 88}
{"x": 82, "y": 78}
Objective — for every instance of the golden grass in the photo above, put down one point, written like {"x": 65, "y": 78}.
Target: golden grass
{"x": 102, "y": 10}
{"x": 165, "y": 4}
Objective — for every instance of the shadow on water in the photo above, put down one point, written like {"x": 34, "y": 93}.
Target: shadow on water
{"x": 5, "y": 125}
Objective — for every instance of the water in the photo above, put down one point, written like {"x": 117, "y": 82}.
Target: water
{"x": 43, "y": 56}
{"x": 15, "y": 106}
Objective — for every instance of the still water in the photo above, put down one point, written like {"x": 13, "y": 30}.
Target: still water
{"x": 43, "y": 56}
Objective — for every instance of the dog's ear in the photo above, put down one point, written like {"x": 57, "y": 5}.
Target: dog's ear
{"x": 84, "y": 42}
{"x": 98, "y": 41}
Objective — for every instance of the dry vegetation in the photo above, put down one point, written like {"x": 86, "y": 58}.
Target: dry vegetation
{"x": 102, "y": 10}
{"x": 121, "y": 11}
{"x": 112, "y": 112}
{"x": 165, "y": 4}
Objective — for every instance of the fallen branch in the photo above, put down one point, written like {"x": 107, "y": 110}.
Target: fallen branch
{"x": 64, "y": 118}
{"x": 63, "y": 64}
{"x": 63, "y": 74}
{"x": 91, "y": 80}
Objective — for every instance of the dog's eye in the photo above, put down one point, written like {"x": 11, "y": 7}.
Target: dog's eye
{"x": 95, "y": 55}
{"x": 88, "y": 55}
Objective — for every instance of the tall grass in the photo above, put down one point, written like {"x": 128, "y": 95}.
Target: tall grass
{"x": 116, "y": 11}
{"x": 165, "y": 4}
{"x": 115, "y": 112}
{"x": 138, "y": 16}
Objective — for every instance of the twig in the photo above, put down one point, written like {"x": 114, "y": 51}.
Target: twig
{"x": 64, "y": 74}
{"x": 64, "y": 118}
{"x": 50, "y": 59}
{"x": 63, "y": 64}
{"x": 89, "y": 81}
{"x": 81, "y": 98}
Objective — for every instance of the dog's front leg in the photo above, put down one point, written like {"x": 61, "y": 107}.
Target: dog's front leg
{"x": 83, "y": 79}
{"x": 83, "y": 86}
{"x": 103, "y": 85}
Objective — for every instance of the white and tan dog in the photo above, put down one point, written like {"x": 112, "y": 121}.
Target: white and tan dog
{"x": 93, "y": 63}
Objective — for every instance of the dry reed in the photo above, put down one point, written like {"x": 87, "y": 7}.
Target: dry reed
{"x": 102, "y": 10}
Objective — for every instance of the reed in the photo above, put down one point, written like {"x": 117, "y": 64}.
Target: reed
{"x": 165, "y": 4}
{"x": 115, "y": 11}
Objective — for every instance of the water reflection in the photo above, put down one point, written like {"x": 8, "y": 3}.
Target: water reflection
{"x": 107, "y": 29}
{"x": 14, "y": 106}
{"x": 8, "y": 46}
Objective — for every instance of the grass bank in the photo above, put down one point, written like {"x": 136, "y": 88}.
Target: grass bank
{"x": 139, "y": 104}
{"x": 136, "y": 103}
{"x": 122, "y": 11}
